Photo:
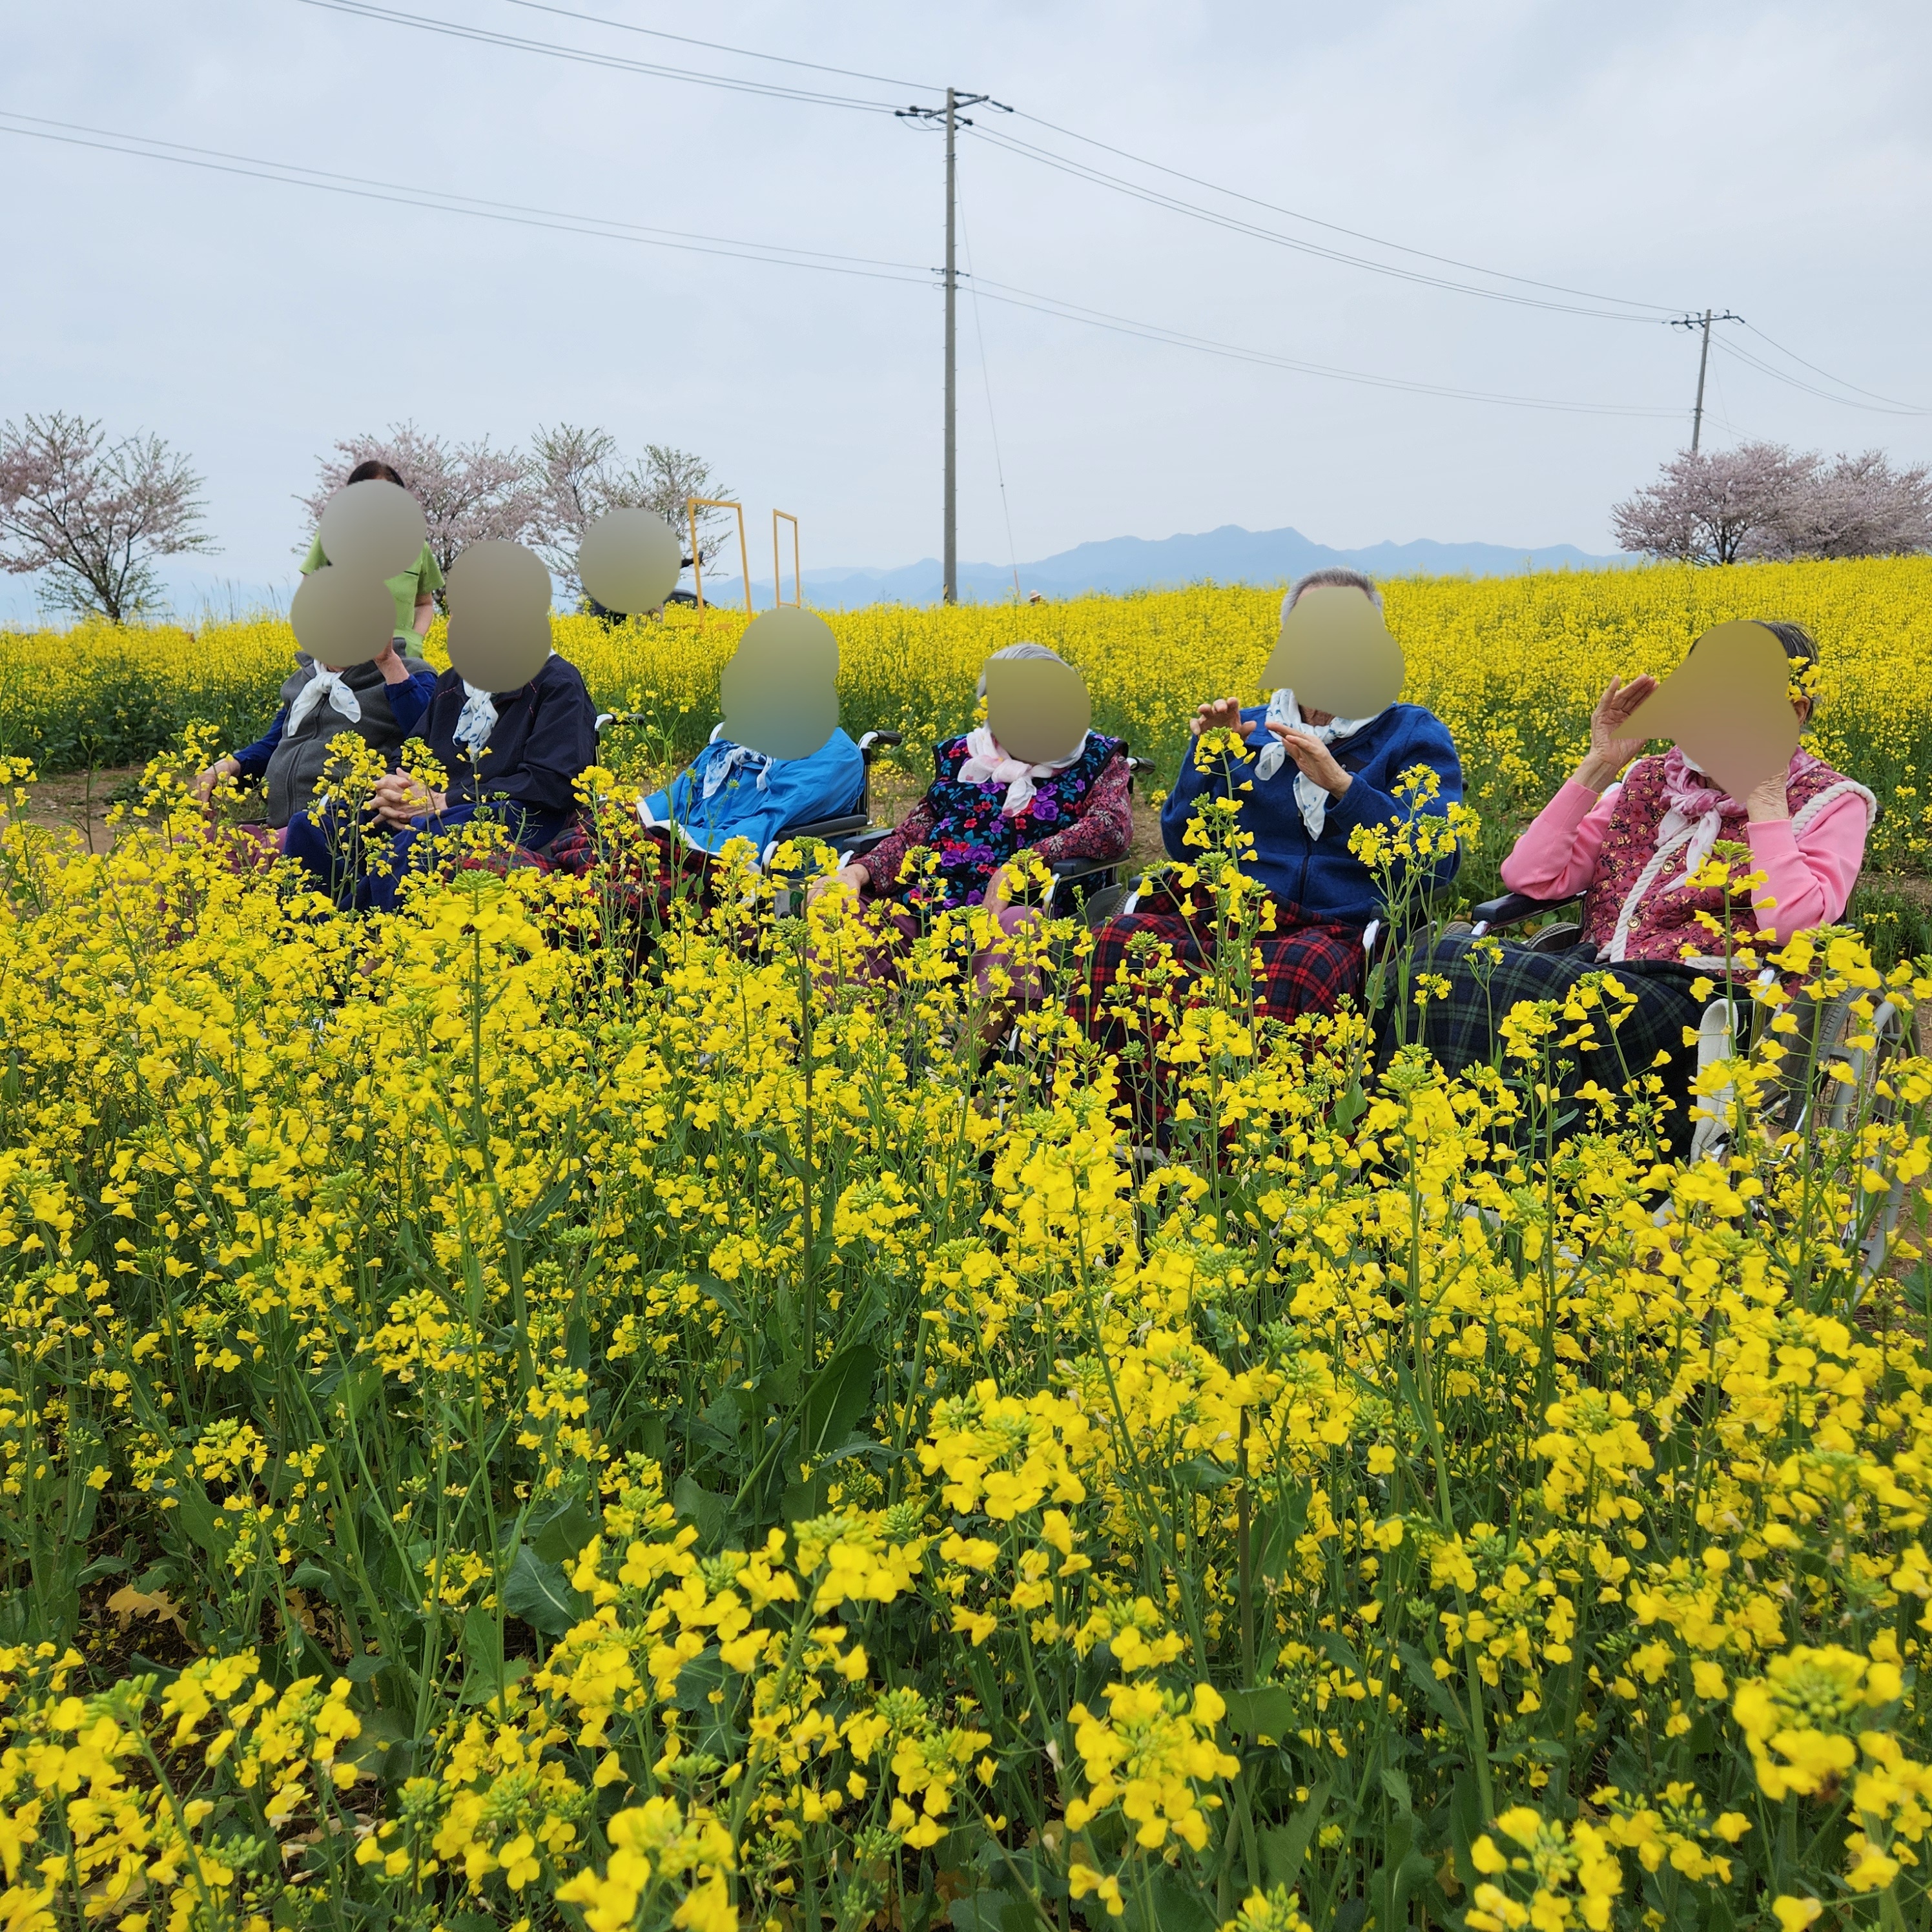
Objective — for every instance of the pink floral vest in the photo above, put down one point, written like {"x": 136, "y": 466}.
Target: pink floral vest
{"x": 1637, "y": 907}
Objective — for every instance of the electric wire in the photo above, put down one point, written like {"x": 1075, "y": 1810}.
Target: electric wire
{"x": 721, "y": 47}
{"x": 291, "y": 174}
{"x": 1027, "y": 299}
{"x": 1916, "y": 408}
{"x": 1757, "y": 362}
{"x": 1158, "y": 198}
{"x": 555, "y": 50}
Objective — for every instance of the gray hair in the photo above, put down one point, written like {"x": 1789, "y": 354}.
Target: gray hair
{"x": 1019, "y": 650}
{"x": 1337, "y": 576}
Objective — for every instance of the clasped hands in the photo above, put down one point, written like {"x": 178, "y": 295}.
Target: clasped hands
{"x": 1312, "y": 758}
{"x": 399, "y": 798}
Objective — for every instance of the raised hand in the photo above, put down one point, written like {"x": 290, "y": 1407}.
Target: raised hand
{"x": 1219, "y": 714}
{"x": 1610, "y": 749}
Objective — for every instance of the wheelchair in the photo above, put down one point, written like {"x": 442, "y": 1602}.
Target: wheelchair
{"x": 1834, "y": 1066}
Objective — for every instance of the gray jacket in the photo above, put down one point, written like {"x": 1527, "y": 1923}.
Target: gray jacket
{"x": 297, "y": 765}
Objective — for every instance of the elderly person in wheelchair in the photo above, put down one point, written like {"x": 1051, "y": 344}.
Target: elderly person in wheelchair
{"x": 986, "y": 814}
{"x": 1305, "y": 782}
{"x": 1634, "y": 846}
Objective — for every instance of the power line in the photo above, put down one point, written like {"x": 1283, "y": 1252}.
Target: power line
{"x": 1001, "y": 291}
{"x": 291, "y": 174}
{"x": 1157, "y": 198}
{"x": 556, "y": 50}
{"x": 721, "y": 47}
{"x": 1335, "y": 228}
{"x": 1915, "y": 409}
{"x": 1777, "y": 375}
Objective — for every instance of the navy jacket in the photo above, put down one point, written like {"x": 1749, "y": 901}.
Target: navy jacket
{"x": 545, "y": 734}
{"x": 1322, "y": 879}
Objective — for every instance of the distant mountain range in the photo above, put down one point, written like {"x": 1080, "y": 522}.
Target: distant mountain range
{"x": 1228, "y": 555}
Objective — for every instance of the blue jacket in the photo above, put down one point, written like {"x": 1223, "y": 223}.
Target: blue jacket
{"x": 759, "y": 797}
{"x": 1322, "y": 879}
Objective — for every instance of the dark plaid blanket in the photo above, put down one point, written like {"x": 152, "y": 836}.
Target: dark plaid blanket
{"x": 1461, "y": 1029}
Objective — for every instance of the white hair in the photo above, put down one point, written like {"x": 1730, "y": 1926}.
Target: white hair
{"x": 1336, "y": 576}
{"x": 1022, "y": 649}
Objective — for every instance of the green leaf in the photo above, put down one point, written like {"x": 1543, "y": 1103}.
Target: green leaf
{"x": 540, "y": 1594}
{"x": 1267, "y": 1710}
{"x": 838, "y": 1400}
{"x": 1284, "y": 1846}
{"x": 992, "y": 1912}
{"x": 563, "y": 1533}
{"x": 698, "y": 1505}
{"x": 1178, "y": 1906}
{"x": 1418, "y": 1669}
{"x": 1395, "y": 1783}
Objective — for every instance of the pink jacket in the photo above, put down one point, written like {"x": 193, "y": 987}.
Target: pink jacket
{"x": 1637, "y": 905}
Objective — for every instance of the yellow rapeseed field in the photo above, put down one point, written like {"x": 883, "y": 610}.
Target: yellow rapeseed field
{"x": 507, "y": 1421}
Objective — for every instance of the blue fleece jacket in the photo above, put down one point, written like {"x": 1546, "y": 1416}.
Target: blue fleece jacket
{"x": 1321, "y": 878}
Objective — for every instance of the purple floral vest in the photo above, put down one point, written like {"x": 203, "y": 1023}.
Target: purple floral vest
{"x": 1662, "y": 914}
{"x": 972, "y": 835}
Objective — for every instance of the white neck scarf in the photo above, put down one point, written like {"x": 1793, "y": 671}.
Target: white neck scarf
{"x": 1310, "y": 800}
{"x": 987, "y": 763}
{"x": 324, "y": 684}
{"x": 476, "y": 721}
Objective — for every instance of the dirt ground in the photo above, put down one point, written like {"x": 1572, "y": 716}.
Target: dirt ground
{"x": 79, "y": 801}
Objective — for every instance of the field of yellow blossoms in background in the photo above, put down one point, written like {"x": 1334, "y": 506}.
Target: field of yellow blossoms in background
{"x": 504, "y": 1427}
{"x": 1513, "y": 664}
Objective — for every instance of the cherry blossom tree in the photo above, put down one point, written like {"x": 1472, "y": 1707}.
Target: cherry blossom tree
{"x": 1856, "y": 506}
{"x": 1709, "y": 506}
{"x": 1763, "y": 500}
{"x": 92, "y": 516}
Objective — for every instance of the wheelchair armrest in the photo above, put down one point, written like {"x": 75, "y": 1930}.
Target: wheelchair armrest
{"x": 875, "y": 741}
{"x": 1512, "y": 908}
{"x": 861, "y": 842}
{"x": 604, "y": 717}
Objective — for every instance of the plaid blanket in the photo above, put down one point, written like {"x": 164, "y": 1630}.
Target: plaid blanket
{"x": 1147, "y": 966}
{"x": 1461, "y": 1029}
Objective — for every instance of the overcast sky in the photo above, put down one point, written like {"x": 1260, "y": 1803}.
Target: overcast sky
{"x": 1773, "y": 160}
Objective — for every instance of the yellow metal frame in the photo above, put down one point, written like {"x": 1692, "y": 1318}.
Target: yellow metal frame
{"x": 797, "y": 579}
{"x": 692, "y": 507}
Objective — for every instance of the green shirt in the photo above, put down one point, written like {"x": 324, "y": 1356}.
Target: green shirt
{"x": 422, "y": 579}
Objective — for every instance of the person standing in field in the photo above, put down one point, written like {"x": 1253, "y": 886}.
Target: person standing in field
{"x": 381, "y": 701}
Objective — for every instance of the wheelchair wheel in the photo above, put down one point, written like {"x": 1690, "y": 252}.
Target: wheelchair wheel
{"x": 1864, "y": 1049}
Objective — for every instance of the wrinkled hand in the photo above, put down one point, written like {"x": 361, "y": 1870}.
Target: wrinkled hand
{"x": 1314, "y": 760}
{"x": 398, "y": 798}
{"x": 206, "y": 782}
{"x": 1766, "y": 803}
{"x": 1610, "y": 750}
{"x": 1220, "y": 714}
{"x": 1006, "y": 880}
{"x": 854, "y": 879}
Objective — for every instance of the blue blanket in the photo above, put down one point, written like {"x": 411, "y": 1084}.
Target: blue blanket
{"x": 755, "y": 797}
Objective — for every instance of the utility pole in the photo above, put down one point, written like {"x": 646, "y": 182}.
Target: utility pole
{"x": 949, "y": 589}
{"x": 1703, "y": 363}
{"x": 950, "y": 116}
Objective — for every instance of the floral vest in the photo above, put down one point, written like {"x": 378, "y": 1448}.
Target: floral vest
{"x": 972, "y": 836}
{"x": 1637, "y": 906}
